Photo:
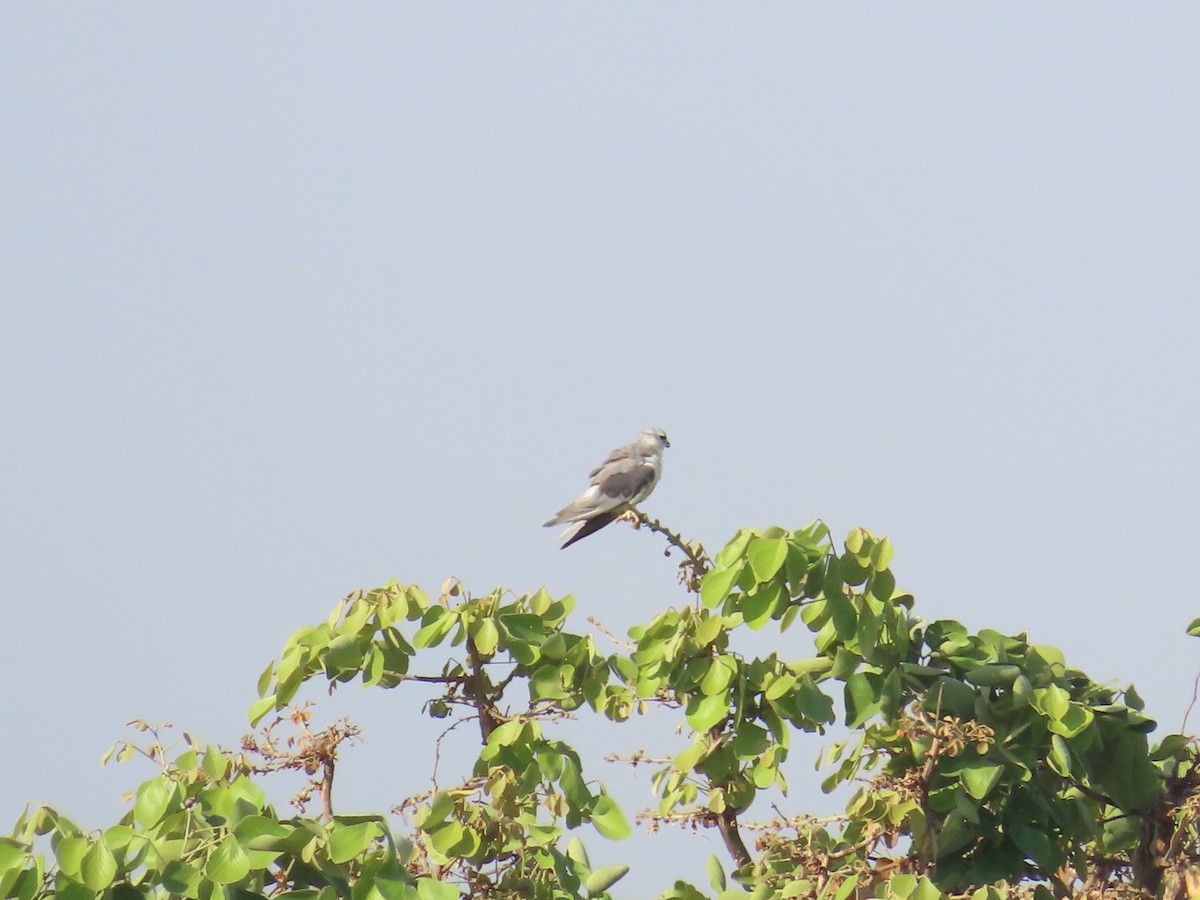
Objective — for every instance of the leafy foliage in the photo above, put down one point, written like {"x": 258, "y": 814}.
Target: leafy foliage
{"x": 982, "y": 765}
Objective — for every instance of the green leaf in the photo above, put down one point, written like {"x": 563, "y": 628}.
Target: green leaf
{"x": 603, "y": 878}
{"x": 228, "y": 863}
{"x": 264, "y": 680}
{"x": 1060, "y": 755}
{"x": 573, "y": 786}
{"x": 349, "y": 841}
{"x": 717, "y": 585}
{"x": 949, "y": 696}
{"x": 862, "y": 697}
{"x": 154, "y": 798}
{"x": 845, "y": 618}
{"x": 1052, "y": 701}
{"x": 847, "y": 887}
{"x": 759, "y": 606}
{"x": 1123, "y": 770}
{"x": 1037, "y": 845}
{"x": 779, "y": 686}
{"x": 883, "y": 586}
{"x": 1121, "y": 834}
{"x": 487, "y": 636}
{"x": 1194, "y": 628}
{"x": 547, "y": 683}
{"x": 816, "y": 665}
{"x": 881, "y": 555}
{"x": 522, "y": 627}
{"x": 736, "y": 548}
{"x": 261, "y": 833}
{"x": 99, "y": 866}
{"x": 214, "y": 763}
{"x": 716, "y": 874}
{"x": 506, "y": 734}
{"x": 705, "y": 712}
{"x": 750, "y": 740}
{"x": 429, "y": 889}
{"x": 993, "y": 675}
{"x": 449, "y": 838}
{"x": 832, "y": 579}
{"x": 720, "y": 672}
{"x": 766, "y": 556}
{"x": 70, "y": 852}
{"x": 608, "y": 819}
{"x": 578, "y": 852}
{"x": 709, "y": 628}
{"x": 344, "y": 654}
{"x": 440, "y": 806}
{"x": 1133, "y": 699}
{"x": 856, "y": 539}
{"x": 1073, "y": 721}
{"x": 1167, "y": 749}
{"x": 687, "y": 758}
{"x": 926, "y": 890}
{"x": 118, "y": 836}
{"x": 980, "y": 779}
{"x": 260, "y": 708}
{"x": 12, "y": 854}
{"x": 813, "y": 704}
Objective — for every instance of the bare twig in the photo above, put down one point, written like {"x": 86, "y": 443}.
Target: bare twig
{"x": 437, "y": 750}
{"x": 426, "y": 679}
{"x": 696, "y": 560}
{"x": 1187, "y": 712}
{"x": 639, "y": 758}
{"x": 596, "y": 623}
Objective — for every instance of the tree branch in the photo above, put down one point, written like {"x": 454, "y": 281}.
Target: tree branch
{"x": 727, "y": 824}
{"x": 695, "y": 558}
{"x": 327, "y": 788}
{"x": 476, "y": 688}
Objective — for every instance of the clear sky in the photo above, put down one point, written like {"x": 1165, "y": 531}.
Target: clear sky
{"x": 296, "y": 298}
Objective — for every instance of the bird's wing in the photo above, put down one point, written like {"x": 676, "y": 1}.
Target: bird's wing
{"x": 616, "y": 485}
{"x": 622, "y": 456}
{"x": 627, "y": 483}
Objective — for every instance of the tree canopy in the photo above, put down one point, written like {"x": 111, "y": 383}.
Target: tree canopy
{"x": 978, "y": 765}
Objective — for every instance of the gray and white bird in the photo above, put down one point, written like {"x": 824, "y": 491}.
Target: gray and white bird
{"x": 619, "y": 483}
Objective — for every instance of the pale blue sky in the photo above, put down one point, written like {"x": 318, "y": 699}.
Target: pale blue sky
{"x": 296, "y": 298}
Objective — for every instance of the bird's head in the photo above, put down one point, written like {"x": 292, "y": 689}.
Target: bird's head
{"x": 655, "y": 438}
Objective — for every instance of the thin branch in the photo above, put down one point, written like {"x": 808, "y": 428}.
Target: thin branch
{"x": 1188, "y": 711}
{"x": 697, "y": 559}
{"x": 596, "y": 623}
{"x": 874, "y": 834}
{"x": 639, "y": 758}
{"x": 437, "y": 750}
{"x": 427, "y": 679}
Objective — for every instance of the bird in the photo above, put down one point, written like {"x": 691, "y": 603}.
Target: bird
{"x": 619, "y": 483}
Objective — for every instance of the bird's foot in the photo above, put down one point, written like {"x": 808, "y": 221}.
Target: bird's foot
{"x": 632, "y": 516}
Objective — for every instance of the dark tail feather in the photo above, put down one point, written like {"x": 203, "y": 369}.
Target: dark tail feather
{"x": 591, "y": 526}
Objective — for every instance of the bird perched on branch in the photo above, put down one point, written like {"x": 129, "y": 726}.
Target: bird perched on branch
{"x": 619, "y": 483}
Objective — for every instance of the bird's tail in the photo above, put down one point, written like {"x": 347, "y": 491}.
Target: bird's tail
{"x": 569, "y": 513}
{"x": 591, "y": 526}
